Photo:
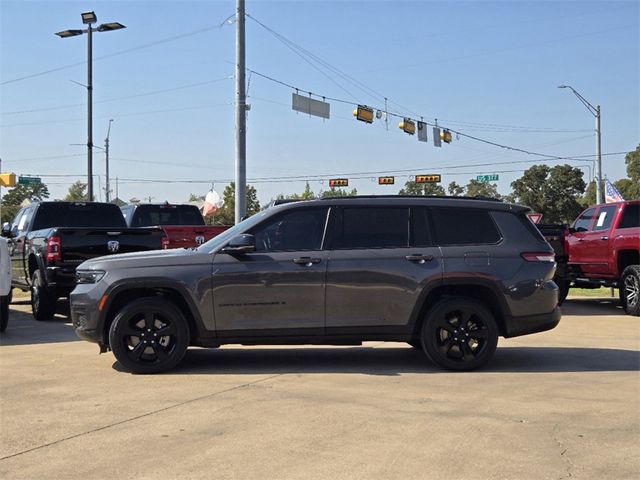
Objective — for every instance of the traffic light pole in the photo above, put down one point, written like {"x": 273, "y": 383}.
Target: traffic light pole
{"x": 241, "y": 139}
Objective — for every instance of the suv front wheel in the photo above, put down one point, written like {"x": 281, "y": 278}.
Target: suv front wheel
{"x": 149, "y": 335}
{"x": 459, "y": 334}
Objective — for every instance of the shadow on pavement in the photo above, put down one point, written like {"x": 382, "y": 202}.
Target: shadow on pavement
{"x": 23, "y": 329}
{"x": 396, "y": 361}
{"x": 592, "y": 306}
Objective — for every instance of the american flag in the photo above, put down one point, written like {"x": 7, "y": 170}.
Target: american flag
{"x": 611, "y": 193}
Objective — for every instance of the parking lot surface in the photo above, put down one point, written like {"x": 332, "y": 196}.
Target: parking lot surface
{"x": 560, "y": 404}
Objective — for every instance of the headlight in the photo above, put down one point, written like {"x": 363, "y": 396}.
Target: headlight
{"x": 89, "y": 276}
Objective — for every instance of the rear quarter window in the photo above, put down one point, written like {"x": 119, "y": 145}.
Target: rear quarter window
{"x": 630, "y": 216}
{"x": 464, "y": 226}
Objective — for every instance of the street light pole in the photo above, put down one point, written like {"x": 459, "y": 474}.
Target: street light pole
{"x": 107, "y": 193}
{"x": 595, "y": 111}
{"x": 89, "y": 18}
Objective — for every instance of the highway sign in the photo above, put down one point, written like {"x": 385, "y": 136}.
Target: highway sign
{"x": 488, "y": 178}
{"x": 29, "y": 180}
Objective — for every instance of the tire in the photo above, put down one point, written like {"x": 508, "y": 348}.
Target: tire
{"x": 4, "y": 313}
{"x": 629, "y": 290}
{"x": 43, "y": 300}
{"x": 416, "y": 344}
{"x": 563, "y": 289}
{"x": 459, "y": 334}
{"x": 150, "y": 318}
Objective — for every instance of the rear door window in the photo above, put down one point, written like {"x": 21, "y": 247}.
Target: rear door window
{"x": 420, "y": 233}
{"x": 464, "y": 226}
{"x": 630, "y": 216}
{"x": 373, "y": 227}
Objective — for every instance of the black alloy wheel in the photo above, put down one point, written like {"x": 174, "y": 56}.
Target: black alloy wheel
{"x": 630, "y": 290}
{"x": 149, "y": 335}
{"x": 459, "y": 334}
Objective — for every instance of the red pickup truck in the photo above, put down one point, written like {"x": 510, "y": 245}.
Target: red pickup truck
{"x": 601, "y": 248}
{"x": 183, "y": 224}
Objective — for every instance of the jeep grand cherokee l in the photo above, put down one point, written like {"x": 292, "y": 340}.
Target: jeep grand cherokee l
{"x": 447, "y": 275}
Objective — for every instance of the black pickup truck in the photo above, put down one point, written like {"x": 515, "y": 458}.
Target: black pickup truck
{"x": 48, "y": 240}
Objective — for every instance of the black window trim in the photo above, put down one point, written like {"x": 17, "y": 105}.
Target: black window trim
{"x": 430, "y": 228}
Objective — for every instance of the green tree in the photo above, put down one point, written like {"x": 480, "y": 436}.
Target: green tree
{"x": 589, "y": 197}
{"x": 482, "y": 189}
{"x": 338, "y": 192}
{"x": 629, "y": 187}
{"x": 307, "y": 194}
{"x": 225, "y": 215}
{"x": 553, "y": 192}
{"x": 455, "y": 189}
{"x": 12, "y": 200}
{"x": 413, "y": 188}
{"x": 77, "y": 191}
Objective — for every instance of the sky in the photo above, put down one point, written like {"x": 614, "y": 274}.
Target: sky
{"x": 489, "y": 70}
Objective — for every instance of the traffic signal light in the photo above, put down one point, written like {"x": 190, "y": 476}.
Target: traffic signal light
{"x": 7, "y": 179}
{"x": 339, "y": 182}
{"x": 364, "y": 113}
{"x": 408, "y": 125}
{"x": 428, "y": 178}
{"x": 445, "y": 136}
{"x": 386, "y": 180}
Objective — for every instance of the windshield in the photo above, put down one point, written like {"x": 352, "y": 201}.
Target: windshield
{"x": 219, "y": 241}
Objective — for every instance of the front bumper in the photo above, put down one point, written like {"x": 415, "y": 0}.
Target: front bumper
{"x": 85, "y": 316}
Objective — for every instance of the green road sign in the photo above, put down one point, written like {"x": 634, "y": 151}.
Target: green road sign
{"x": 488, "y": 178}
{"x": 29, "y": 180}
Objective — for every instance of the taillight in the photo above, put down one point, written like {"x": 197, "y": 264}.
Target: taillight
{"x": 538, "y": 257}
{"x": 164, "y": 243}
{"x": 53, "y": 250}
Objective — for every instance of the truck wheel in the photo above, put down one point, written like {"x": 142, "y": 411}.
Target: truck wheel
{"x": 563, "y": 289}
{"x": 459, "y": 334}
{"x": 4, "y": 313}
{"x": 630, "y": 290}
{"x": 149, "y": 335}
{"x": 43, "y": 300}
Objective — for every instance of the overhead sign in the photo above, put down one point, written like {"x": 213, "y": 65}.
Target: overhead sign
{"x": 428, "y": 178}
{"x": 310, "y": 106}
{"x": 29, "y": 180}
{"x": 339, "y": 182}
{"x": 386, "y": 180}
{"x": 488, "y": 178}
{"x": 422, "y": 132}
{"x": 535, "y": 217}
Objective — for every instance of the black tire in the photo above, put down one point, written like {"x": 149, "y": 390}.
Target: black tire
{"x": 629, "y": 290}
{"x": 563, "y": 289}
{"x": 43, "y": 300}
{"x": 459, "y": 334}
{"x": 4, "y": 313}
{"x": 155, "y": 321}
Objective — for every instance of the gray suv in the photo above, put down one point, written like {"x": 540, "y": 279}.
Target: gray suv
{"x": 446, "y": 275}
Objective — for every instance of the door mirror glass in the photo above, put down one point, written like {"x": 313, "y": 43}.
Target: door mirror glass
{"x": 6, "y": 230}
{"x": 244, "y": 243}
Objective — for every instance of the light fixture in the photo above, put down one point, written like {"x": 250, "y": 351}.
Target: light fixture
{"x": 69, "y": 33}
{"x": 105, "y": 27}
{"x": 88, "y": 18}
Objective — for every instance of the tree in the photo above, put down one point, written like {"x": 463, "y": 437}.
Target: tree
{"x": 553, "y": 192}
{"x": 413, "y": 188}
{"x": 338, "y": 192}
{"x": 225, "y": 215}
{"x": 629, "y": 188}
{"x": 455, "y": 189}
{"x": 482, "y": 189}
{"x": 307, "y": 194}
{"x": 12, "y": 200}
{"x": 77, "y": 191}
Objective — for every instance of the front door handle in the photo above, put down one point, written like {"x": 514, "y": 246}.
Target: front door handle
{"x": 306, "y": 261}
{"x": 416, "y": 257}
{"x": 604, "y": 238}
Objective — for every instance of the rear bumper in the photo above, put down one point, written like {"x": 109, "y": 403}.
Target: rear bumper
{"x": 517, "y": 326}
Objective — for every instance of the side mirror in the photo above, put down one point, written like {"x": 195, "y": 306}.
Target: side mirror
{"x": 244, "y": 243}
{"x": 6, "y": 230}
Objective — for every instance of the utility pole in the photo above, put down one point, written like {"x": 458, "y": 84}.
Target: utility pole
{"x": 107, "y": 192}
{"x": 241, "y": 119}
{"x": 90, "y": 114}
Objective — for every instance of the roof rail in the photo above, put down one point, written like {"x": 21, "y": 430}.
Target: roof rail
{"x": 448, "y": 197}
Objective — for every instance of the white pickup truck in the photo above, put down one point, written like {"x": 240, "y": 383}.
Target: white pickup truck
{"x": 5, "y": 283}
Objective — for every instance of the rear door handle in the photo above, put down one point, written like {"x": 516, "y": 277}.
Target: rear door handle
{"x": 306, "y": 261}
{"x": 416, "y": 257}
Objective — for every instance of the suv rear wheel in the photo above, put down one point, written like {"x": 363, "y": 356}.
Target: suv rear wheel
{"x": 459, "y": 334}
{"x": 149, "y": 335}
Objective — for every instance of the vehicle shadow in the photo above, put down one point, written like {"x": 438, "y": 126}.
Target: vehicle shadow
{"x": 23, "y": 329}
{"x": 592, "y": 306}
{"x": 396, "y": 361}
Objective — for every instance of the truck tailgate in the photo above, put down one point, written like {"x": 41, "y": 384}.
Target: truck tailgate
{"x": 183, "y": 236}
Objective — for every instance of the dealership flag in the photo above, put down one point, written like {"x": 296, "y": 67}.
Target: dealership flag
{"x": 611, "y": 193}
